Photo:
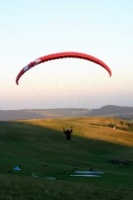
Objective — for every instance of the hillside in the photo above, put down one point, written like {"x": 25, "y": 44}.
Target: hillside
{"x": 40, "y": 148}
{"x": 109, "y": 110}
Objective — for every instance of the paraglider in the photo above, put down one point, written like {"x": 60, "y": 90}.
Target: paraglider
{"x": 68, "y": 133}
{"x": 60, "y": 56}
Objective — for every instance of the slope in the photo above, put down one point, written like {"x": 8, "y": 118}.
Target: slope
{"x": 40, "y": 147}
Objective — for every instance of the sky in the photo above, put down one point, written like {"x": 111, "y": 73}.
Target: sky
{"x": 34, "y": 28}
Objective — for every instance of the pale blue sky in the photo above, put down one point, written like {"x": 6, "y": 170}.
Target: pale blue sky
{"x": 32, "y": 28}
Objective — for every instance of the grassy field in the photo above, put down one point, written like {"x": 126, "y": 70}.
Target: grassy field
{"x": 40, "y": 147}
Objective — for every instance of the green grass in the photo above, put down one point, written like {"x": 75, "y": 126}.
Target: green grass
{"x": 40, "y": 147}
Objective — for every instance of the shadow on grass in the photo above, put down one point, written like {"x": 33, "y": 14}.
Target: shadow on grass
{"x": 44, "y": 143}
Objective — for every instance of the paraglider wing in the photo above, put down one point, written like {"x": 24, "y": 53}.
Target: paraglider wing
{"x": 62, "y": 55}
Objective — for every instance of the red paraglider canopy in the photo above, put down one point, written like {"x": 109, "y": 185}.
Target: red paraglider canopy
{"x": 62, "y": 55}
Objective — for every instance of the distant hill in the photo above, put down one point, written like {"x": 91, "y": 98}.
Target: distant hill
{"x": 109, "y": 110}
{"x": 6, "y": 115}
